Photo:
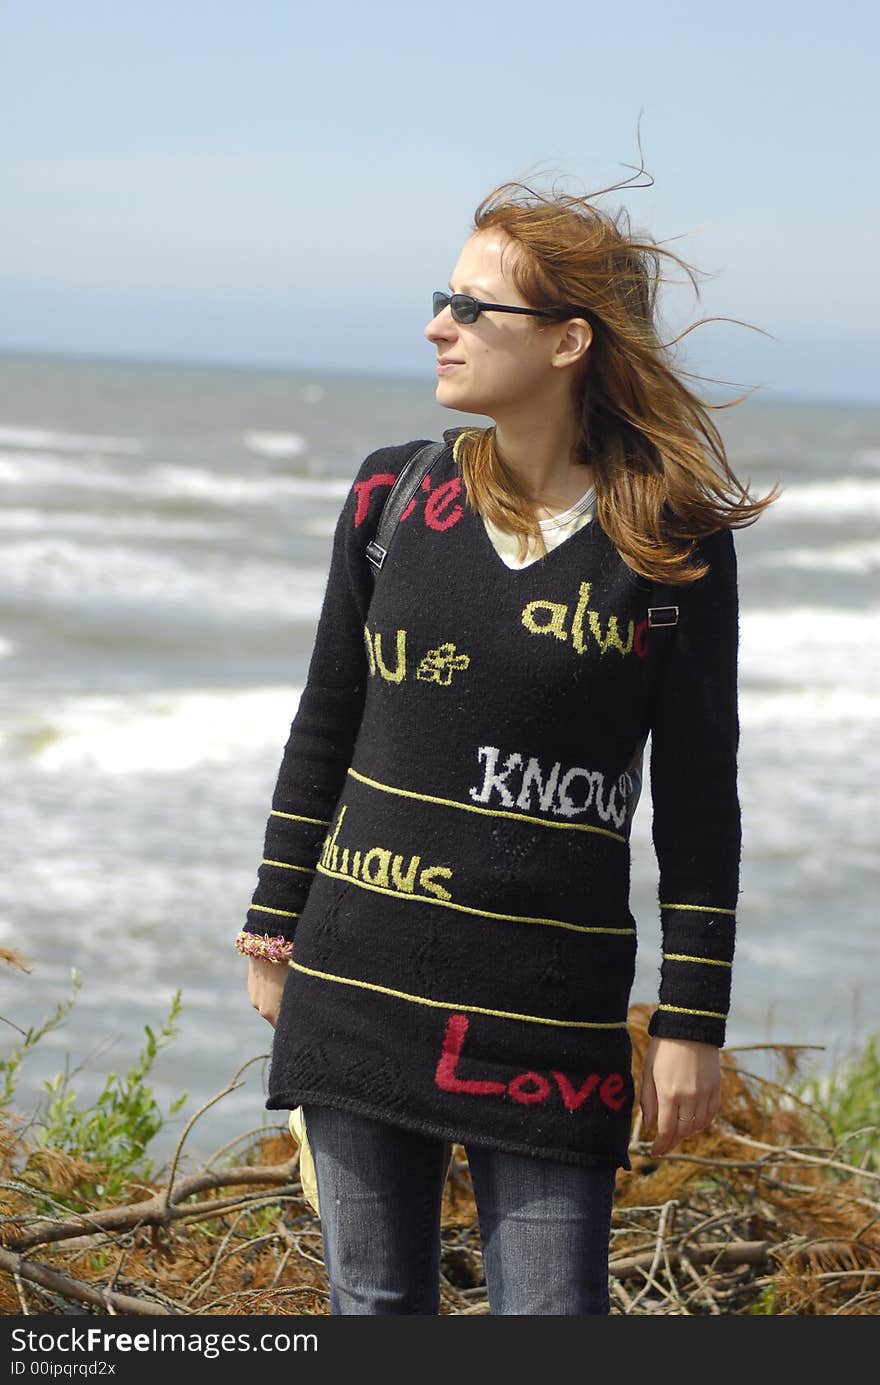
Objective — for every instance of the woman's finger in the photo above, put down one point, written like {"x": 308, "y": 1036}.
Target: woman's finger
{"x": 648, "y": 1098}
{"x": 667, "y": 1126}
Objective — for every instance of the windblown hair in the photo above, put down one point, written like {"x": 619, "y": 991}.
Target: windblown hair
{"x": 661, "y": 471}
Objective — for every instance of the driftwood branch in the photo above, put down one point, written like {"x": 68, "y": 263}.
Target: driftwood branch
{"x": 155, "y": 1210}
{"x": 231, "y": 1086}
{"x": 709, "y": 1253}
{"x": 68, "y": 1287}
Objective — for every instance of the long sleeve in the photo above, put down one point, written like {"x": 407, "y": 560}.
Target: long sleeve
{"x": 696, "y": 826}
{"x": 319, "y": 749}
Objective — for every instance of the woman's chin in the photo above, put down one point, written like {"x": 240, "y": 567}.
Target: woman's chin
{"x": 452, "y": 398}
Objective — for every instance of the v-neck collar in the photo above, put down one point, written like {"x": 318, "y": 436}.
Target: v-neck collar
{"x": 473, "y": 516}
{"x": 573, "y": 512}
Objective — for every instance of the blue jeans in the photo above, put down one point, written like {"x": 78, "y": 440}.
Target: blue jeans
{"x": 544, "y": 1226}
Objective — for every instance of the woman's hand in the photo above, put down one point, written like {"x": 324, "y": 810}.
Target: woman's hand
{"x": 265, "y": 984}
{"x": 680, "y": 1078}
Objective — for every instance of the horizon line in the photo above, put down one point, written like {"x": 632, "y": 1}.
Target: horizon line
{"x": 763, "y": 394}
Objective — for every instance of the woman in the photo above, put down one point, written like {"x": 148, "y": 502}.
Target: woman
{"x": 441, "y": 932}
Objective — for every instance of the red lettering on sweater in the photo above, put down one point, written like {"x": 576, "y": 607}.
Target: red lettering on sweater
{"x": 527, "y": 1088}
{"x": 445, "y": 1076}
{"x": 611, "y": 1091}
{"x": 426, "y": 486}
{"x": 365, "y": 490}
{"x": 439, "y": 513}
{"x": 575, "y": 1097}
{"x": 541, "y": 1088}
{"x": 439, "y": 499}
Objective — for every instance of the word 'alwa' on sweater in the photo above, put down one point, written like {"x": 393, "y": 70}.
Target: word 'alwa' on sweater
{"x": 448, "y": 850}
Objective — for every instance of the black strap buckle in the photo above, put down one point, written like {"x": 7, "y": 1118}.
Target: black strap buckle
{"x": 376, "y": 553}
{"x": 662, "y": 615}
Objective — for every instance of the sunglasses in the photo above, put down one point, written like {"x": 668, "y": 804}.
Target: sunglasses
{"x": 468, "y": 309}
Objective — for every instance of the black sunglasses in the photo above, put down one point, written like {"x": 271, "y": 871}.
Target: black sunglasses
{"x": 468, "y": 309}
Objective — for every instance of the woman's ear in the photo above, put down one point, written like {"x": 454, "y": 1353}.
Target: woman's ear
{"x": 574, "y": 343}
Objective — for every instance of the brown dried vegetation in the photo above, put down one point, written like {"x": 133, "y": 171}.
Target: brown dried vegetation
{"x": 762, "y": 1213}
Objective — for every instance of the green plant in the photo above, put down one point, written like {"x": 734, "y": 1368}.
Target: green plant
{"x": 117, "y": 1129}
{"x": 9, "y": 1066}
{"x": 849, "y": 1101}
{"x": 765, "y": 1303}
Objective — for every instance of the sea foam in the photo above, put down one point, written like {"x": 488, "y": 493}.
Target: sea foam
{"x": 848, "y": 497}
{"x": 45, "y": 439}
{"x": 281, "y": 445}
{"x": 153, "y": 733}
{"x": 57, "y": 570}
{"x": 860, "y": 557}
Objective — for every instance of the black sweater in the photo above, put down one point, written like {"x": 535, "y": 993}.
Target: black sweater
{"x": 448, "y": 847}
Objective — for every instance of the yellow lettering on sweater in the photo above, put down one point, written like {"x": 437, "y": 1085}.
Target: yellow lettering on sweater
{"x": 380, "y": 858}
{"x": 436, "y": 666}
{"x": 371, "y": 658}
{"x": 577, "y": 624}
{"x": 429, "y": 884}
{"x": 401, "y": 881}
{"x": 439, "y": 665}
{"x": 554, "y": 623}
{"x": 382, "y": 868}
{"x": 611, "y": 639}
{"x": 398, "y": 674}
{"x": 330, "y": 839}
{"x": 550, "y": 617}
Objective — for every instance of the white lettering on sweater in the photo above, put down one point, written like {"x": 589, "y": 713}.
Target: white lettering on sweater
{"x": 563, "y": 797}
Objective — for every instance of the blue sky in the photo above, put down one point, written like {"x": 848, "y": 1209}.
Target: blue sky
{"x": 286, "y": 183}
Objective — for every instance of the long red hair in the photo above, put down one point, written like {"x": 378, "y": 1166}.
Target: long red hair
{"x": 662, "y": 474}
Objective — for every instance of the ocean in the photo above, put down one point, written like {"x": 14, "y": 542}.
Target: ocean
{"x": 164, "y": 542}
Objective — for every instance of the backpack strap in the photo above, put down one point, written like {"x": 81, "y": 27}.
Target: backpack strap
{"x": 411, "y": 477}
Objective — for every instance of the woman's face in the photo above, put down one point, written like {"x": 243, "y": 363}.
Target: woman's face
{"x": 503, "y": 360}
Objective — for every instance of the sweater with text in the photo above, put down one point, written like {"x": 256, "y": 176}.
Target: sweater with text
{"x": 448, "y": 848}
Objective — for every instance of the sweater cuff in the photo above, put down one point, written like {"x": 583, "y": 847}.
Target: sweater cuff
{"x": 676, "y": 1022}
{"x": 267, "y": 920}
{"x": 696, "y": 970}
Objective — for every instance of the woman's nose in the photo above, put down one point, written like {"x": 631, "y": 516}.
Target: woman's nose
{"x": 441, "y": 326}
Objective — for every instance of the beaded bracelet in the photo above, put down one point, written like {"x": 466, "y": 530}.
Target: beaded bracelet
{"x": 269, "y": 949}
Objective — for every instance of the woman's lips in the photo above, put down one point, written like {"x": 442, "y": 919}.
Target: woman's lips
{"x": 444, "y": 366}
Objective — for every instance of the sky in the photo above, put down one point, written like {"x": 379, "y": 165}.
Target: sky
{"x": 286, "y": 183}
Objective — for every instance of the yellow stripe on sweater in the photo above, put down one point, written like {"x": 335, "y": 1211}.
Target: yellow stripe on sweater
{"x": 683, "y": 957}
{"x": 285, "y": 865}
{"x": 298, "y": 817}
{"x": 264, "y": 909}
{"x": 466, "y": 909}
{"x": 680, "y": 1010}
{"x": 700, "y": 908}
{"x": 454, "y": 1005}
{"x": 489, "y": 812}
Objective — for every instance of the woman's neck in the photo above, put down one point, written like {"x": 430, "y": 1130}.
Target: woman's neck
{"x": 542, "y": 456}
